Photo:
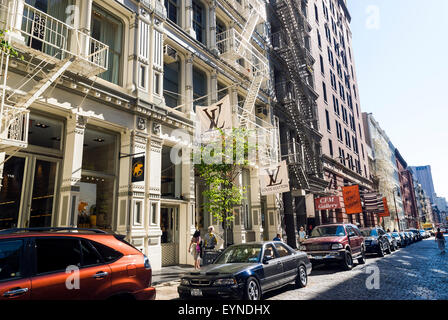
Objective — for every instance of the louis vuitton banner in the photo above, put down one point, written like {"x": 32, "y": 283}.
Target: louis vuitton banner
{"x": 216, "y": 116}
{"x": 274, "y": 179}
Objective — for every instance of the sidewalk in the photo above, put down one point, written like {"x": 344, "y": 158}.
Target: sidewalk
{"x": 167, "y": 280}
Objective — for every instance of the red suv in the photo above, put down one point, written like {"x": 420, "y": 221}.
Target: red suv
{"x": 340, "y": 243}
{"x": 71, "y": 264}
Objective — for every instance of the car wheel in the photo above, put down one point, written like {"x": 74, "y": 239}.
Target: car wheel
{"x": 381, "y": 250}
{"x": 347, "y": 264}
{"x": 302, "y": 277}
{"x": 362, "y": 259}
{"x": 253, "y": 291}
{"x": 392, "y": 248}
{"x": 184, "y": 296}
{"x": 389, "y": 251}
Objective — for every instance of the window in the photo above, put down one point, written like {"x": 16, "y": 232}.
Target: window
{"x": 10, "y": 259}
{"x": 171, "y": 10}
{"x": 330, "y": 144}
{"x": 67, "y": 251}
{"x": 109, "y": 30}
{"x": 281, "y": 250}
{"x": 324, "y": 89}
{"x": 199, "y": 21}
{"x": 171, "y": 82}
{"x": 327, "y": 115}
{"x": 344, "y": 115}
{"x": 89, "y": 255}
{"x": 45, "y": 132}
{"x": 319, "y": 40}
{"x": 269, "y": 251}
{"x": 108, "y": 254}
{"x": 138, "y": 212}
{"x": 316, "y": 13}
{"x": 199, "y": 88}
{"x": 154, "y": 213}
{"x": 322, "y": 65}
{"x": 171, "y": 183}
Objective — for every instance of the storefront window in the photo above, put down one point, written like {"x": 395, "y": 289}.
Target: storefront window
{"x": 97, "y": 186}
{"x": 171, "y": 175}
{"x": 10, "y": 193}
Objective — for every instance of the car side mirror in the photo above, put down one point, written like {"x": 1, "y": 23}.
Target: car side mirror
{"x": 266, "y": 259}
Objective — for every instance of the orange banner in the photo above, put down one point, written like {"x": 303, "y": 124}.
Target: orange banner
{"x": 386, "y": 212}
{"x": 352, "y": 199}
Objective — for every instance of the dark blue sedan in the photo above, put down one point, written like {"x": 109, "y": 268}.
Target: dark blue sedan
{"x": 247, "y": 271}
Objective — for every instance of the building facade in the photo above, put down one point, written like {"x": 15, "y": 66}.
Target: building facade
{"x": 407, "y": 193}
{"x": 385, "y": 172}
{"x": 111, "y": 89}
{"x": 424, "y": 176}
{"x": 345, "y": 151}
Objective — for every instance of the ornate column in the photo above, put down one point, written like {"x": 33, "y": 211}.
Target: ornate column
{"x": 71, "y": 172}
{"x": 214, "y": 86}
{"x": 212, "y": 27}
{"x": 153, "y": 192}
{"x": 256, "y": 204}
{"x": 188, "y": 27}
{"x": 188, "y": 104}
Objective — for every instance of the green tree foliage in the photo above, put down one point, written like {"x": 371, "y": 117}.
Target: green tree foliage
{"x": 6, "y": 47}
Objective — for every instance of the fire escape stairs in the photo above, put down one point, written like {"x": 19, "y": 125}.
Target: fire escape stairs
{"x": 302, "y": 114}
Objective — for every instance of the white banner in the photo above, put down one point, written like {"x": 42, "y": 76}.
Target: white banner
{"x": 274, "y": 179}
{"x": 216, "y": 116}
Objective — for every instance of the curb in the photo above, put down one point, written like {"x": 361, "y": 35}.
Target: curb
{"x": 166, "y": 284}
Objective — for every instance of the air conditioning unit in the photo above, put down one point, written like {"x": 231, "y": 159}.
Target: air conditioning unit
{"x": 170, "y": 54}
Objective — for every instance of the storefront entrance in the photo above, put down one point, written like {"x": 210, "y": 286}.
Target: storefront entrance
{"x": 169, "y": 223}
{"x": 27, "y": 198}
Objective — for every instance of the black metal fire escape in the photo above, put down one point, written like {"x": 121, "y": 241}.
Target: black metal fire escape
{"x": 299, "y": 100}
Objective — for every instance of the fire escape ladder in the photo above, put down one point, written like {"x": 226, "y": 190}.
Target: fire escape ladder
{"x": 301, "y": 111}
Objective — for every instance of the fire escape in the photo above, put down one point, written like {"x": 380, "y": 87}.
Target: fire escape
{"x": 49, "y": 47}
{"x": 237, "y": 50}
{"x": 296, "y": 93}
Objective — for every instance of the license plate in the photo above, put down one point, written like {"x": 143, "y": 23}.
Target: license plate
{"x": 196, "y": 292}
{"x": 318, "y": 257}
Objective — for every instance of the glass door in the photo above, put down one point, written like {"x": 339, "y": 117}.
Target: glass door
{"x": 43, "y": 194}
{"x": 11, "y": 192}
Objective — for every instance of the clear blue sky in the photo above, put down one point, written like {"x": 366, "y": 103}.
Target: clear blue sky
{"x": 401, "y": 57}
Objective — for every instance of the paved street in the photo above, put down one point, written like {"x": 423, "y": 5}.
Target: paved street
{"x": 416, "y": 272}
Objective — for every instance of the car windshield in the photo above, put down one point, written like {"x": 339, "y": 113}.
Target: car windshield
{"x": 240, "y": 254}
{"x": 369, "y": 232}
{"x": 328, "y": 231}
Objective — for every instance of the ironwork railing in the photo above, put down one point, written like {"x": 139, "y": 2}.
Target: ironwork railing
{"x": 44, "y": 33}
{"x": 13, "y": 126}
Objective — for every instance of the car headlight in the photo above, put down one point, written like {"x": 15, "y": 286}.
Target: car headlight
{"x": 184, "y": 282}
{"x": 225, "y": 282}
{"x": 302, "y": 248}
{"x": 336, "y": 246}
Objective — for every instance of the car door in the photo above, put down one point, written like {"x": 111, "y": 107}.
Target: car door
{"x": 272, "y": 269}
{"x": 15, "y": 283}
{"x": 353, "y": 241}
{"x": 59, "y": 273}
{"x": 289, "y": 263}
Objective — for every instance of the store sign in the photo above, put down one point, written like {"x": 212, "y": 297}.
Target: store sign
{"x": 386, "y": 212}
{"x": 138, "y": 169}
{"x": 327, "y": 203}
{"x": 352, "y": 199}
{"x": 217, "y": 116}
{"x": 274, "y": 179}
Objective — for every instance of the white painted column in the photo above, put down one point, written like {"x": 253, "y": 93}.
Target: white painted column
{"x": 256, "y": 204}
{"x": 188, "y": 104}
{"x": 71, "y": 172}
{"x": 188, "y": 27}
{"x": 154, "y": 248}
{"x": 212, "y": 33}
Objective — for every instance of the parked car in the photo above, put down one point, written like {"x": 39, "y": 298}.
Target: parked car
{"x": 247, "y": 271}
{"x": 340, "y": 243}
{"x": 413, "y": 236}
{"x": 376, "y": 241}
{"x": 36, "y": 263}
{"x": 416, "y": 234}
{"x": 392, "y": 242}
{"x": 404, "y": 239}
{"x": 422, "y": 234}
{"x": 397, "y": 238}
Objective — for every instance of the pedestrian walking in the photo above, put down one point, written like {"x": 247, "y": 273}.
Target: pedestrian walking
{"x": 195, "y": 249}
{"x": 210, "y": 240}
{"x": 302, "y": 235}
{"x": 440, "y": 239}
{"x": 278, "y": 237}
